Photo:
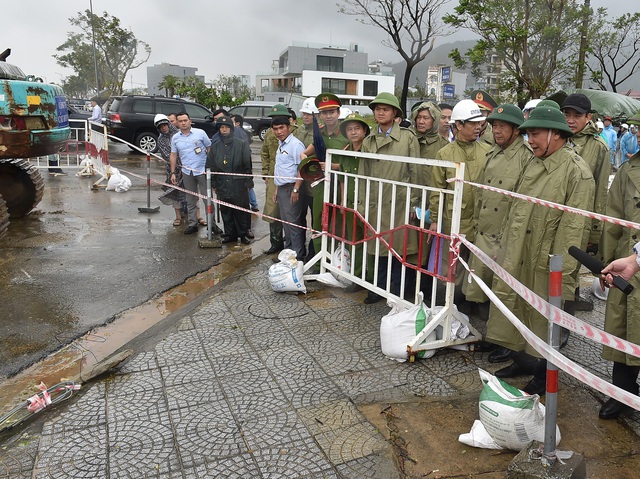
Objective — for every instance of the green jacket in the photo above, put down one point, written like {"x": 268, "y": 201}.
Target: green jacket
{"x": 399, "y": 142}
{"x": 430, "y": 142}
{"x": 304, "y": 134}
{"x": 622, "y": 316}
{"x": 533, "y": 232}
{"x": 594, "y": 150}
{"x": 502, "y": 170}
{"x": 474, "y": 156}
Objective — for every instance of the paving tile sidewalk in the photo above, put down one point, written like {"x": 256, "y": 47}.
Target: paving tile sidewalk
{"x": 252, "y": 384}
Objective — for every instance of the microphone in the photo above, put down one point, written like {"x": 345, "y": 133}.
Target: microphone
{"x": 596, "y": 267}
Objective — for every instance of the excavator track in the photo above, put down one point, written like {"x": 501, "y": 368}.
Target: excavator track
{"x": 4, "y": 217}
{"x": 21, "y": 186}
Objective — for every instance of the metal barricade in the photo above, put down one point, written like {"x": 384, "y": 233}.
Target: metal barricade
{"x": 395, "y": 233}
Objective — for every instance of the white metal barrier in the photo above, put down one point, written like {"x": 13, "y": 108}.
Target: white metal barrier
{"x": 388, "y": 233}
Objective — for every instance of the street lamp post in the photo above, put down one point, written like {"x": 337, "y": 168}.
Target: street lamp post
{"x": 95, "y": 58}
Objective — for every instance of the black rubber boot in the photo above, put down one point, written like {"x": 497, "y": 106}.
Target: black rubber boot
{"x": 538, "y": 385}
{"x": 523, "y": 365}
{"x": 625, "y": 377}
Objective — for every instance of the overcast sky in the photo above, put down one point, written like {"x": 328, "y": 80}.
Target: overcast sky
{"x": 240, "y": 37}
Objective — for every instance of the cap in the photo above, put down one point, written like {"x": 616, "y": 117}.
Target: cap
{"x": 357, "y": 118}
{"x": 507, "y": 113}
{"x": 548, "y": 118}
{"x": 279, "y": 110}
{"x": 224, "y": 121}
{"x": 608, "y": 118}
{"x": 624, "y": 126}
{"x": 327, "y": 101}
{"x": 483, "y": 100}
{"x": 578, "y": 102}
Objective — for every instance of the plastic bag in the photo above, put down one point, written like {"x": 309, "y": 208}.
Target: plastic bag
{"x": 118, "y": 182}
{"x": 511, "y": 417}
{"x": 286, "y": 276}
{"x": 478, "y": 437}
{"x": 400, "y": 326}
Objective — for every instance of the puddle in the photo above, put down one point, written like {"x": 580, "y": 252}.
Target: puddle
{"x": 80, "y": 357}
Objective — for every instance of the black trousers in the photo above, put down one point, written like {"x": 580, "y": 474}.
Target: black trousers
{"x": 236, "y": 222}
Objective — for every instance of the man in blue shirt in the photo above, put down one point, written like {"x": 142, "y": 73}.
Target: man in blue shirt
{"x": 192, "y": 144}
{"x": 611, "y": 137}
{"x": 287, "y": 194}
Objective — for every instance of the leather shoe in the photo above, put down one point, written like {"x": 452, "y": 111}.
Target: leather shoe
{"x": 250, "y": 234}
{"x": 372, "y": 298}
{"x": 255, "y": 208}
{"x": 536, "y": 386}
{"x": 190, "y": 230}
{"x": 245, "y": 240}
{"x": 228, "y": 239}
{"x": 482, "y": 347}
{"x": 512, "y": 371}
{"x": 274, "y": 249}
{"x": 500, "y": 355}
{"x": 612, "y": 409}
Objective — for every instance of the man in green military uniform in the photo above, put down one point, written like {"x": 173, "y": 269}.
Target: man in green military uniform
{"x": 466, "y": 117}
{"x": 622, "y": 315}
{"x": 533, "y": 232}
{"x": 355, "y": 129}
{"x": 389, "y": 138}
{"x": 486, "y": 104}
{"x": 304, "y": 133}
{"x": 268, "y": 156}
{"x": 328, "y": 106}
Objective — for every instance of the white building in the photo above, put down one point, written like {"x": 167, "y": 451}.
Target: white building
{"x": 307, "y": 70}
{"x": 444, "y": 84}
{"x": 156, "y": 73}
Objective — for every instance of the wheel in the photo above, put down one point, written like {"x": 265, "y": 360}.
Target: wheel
{"x": 4, "y": 217}
{"x": 147, "y": 141}
{"x": 21, "y": 186}
{"x": 262, "y": 133}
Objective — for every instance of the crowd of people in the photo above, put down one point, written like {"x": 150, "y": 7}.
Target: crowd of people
{"x": 546, "y": 150}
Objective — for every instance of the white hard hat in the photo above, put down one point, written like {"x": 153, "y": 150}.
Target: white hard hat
{"x": 531, "y": 104}
{"x": 466, "y": 110}
{"x": 599, "y": 124}
{"x": 344, "y": 112}
{"x": 598, "y": 292}
{"x": 160, "y": 118}
{"x": 625, "y": 126}
{"x": 309, "y": 106}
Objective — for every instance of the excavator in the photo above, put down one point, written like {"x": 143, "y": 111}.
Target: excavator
{"x": 34, "y": 121}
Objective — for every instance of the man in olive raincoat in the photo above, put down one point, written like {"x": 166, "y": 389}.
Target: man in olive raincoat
{"x": 533, "y": 232}
{"x": 389, "y": 138}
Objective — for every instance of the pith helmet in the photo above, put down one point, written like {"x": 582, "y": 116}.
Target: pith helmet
{"x": 309, "y": 106}
{"x": 279, "y": 110}
{"x": 551, "y": 103}
{"x": 466, "y": 110}
{"x": 507, "y": 113}
{"x": 224, "y": 121}
{"x": 385, "y": 98}
{"x": 351, "y": 118}
{"x": 531, "y": 104}
{"x": 548, "y": 118}
{"x": 327, "y": 101}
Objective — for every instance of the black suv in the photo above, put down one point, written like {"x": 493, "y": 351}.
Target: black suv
{"x": 130, "y": 117}
{"x": 255, "y": 115}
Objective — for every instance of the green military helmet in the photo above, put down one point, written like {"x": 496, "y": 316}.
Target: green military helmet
{"x": 550, "y": 103}
{"x": 508, "y": 113}
{"x": 548, "y": 118}
{"x": 279, "y": 110}
{"x": 385, "y": 98}
{"x": 357, "y": 118}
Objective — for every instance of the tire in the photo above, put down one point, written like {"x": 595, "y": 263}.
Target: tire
{"x": 147, "y": 141}
{"x": 262, "y": 133}
{"x": 4, "y": 217}
{"x": 21, "y": 186}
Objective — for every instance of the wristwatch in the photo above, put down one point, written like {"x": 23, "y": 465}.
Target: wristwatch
{"x": 295, "y": 190}
{"x": 636, "y": 250}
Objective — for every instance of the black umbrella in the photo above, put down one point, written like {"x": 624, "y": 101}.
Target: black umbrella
{"x": 318, "y": 141}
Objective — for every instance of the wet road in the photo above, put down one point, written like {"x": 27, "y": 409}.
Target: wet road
{"x": 83, "y": 257}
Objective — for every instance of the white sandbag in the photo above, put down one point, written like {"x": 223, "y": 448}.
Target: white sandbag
{"x": 342, "y": 260}
{"x": 118, "y": 182}
{"x": 400, "y": 326}
{"x": 478, "y": 437}
{"x": 511, "y": 417}
{"x": 286, "y": 276}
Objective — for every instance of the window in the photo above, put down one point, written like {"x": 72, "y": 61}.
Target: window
{"x": 196, "y": 111}
{"x": 142, "y": 106}
{"x": 253, "y": 112}
{"x": 329, "y": 64}
{"x": 370, "y": 88}
{"x": 168, "y": 108}
{"x": 334, "y": 85}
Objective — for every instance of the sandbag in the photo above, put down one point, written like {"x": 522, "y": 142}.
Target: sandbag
{"x": 286, "y": 276}
{"x": 400, "y": 326}
{"x": 118, "y": 182}
{"x": 511, "y": 417}
{"x": 341, "y": 258}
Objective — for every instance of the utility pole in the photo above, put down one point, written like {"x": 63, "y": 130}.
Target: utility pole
{"x": 582, "y": 53}
{"x": 95, "y": 58}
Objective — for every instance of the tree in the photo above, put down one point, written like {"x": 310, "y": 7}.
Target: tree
{"x": 615, "y": 45}
{"x": 412, "y": 27}
{"x": 169, "y": 84}
{"x": 536, "y": 40}
{"x": 225, "y": 91}
{"x": 117, "y": 51}
{"x": 75, "y": 87}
